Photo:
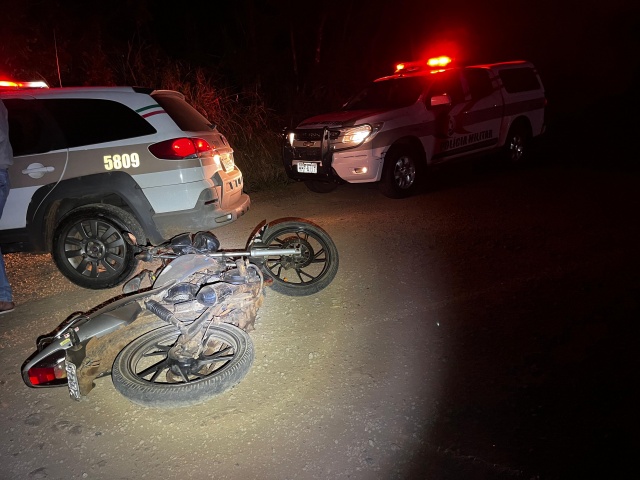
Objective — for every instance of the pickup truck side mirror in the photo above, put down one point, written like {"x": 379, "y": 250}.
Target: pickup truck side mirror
{"x": 438, "y": 100}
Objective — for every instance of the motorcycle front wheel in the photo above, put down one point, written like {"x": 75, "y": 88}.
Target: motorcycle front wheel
{"x": 144, "y": 373}
{"x": 304, "y": 274}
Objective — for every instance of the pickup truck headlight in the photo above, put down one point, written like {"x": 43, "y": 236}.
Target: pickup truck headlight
{"x": 352, "y": 137}
{"x": 356, "y": 135}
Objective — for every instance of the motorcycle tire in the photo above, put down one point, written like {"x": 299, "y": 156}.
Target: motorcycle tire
{"x": 304, "y": 274}
{"x": 142, "y": 373}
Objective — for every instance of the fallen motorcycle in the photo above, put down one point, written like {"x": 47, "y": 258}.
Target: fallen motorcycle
{"x": 184, "y": 339}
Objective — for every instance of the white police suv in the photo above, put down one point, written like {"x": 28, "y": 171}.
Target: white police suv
{"x": 93, "y": 163}
{"x": 424, "y": 114}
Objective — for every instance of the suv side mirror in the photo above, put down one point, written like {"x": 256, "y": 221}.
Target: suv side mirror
{"x": 438, "y": 100}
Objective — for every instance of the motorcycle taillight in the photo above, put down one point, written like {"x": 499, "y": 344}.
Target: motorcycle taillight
{"x": 49, "y": 372}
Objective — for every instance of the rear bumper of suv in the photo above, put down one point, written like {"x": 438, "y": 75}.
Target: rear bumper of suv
{"x": 206, "y": 215}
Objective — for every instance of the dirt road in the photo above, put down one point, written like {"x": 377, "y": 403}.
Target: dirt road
{"x": 483, "y": 330}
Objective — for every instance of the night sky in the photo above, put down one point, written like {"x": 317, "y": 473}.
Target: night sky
{"x": 584, "y": 50}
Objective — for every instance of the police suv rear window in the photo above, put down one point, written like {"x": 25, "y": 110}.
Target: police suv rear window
{"x": 89, "y": 121}
{"x": 39, "y": 126}
{"x": 32, "y": 129}
{"x": 186, "y": 117}
{"x": 517, "y": 80}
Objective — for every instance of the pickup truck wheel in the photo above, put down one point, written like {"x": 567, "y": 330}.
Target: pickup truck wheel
{"x": 517, "y": 145}
{"x": 320, "y": 187}
{"x": 399, "y": 173}
{"x": 89, "y": 247}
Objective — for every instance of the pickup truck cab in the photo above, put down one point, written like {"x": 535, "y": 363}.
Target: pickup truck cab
{"x": 422, "y": 115}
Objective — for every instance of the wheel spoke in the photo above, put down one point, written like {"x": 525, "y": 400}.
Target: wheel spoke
{"x": 80, "y": 230}
{"x": 117, "y": 243}
{"x": 73, "y": 253}
{"x": 82, "y": 266}
{"x": 108, "y": 267}
{"x": 318, "y": 253}
{"x": 115, "y": 258}
{"x": 183, "y": 374}
{"x": 301, "y": 272}
{"x": 73, "y": 241}
{"x": 156, "y": 369}
{"x": 278, "y": 263}
{"x": 93, "y": 228}
{"x": 220, "y": 354}
{"x": 108, "y": 233}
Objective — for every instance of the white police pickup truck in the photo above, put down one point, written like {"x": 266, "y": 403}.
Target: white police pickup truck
{"x": 424, "y": 114}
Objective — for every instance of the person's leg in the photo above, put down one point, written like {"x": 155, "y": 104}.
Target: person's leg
{"x": 6, "y": 295}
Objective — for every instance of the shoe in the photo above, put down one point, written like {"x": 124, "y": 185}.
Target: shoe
{"x": 6, "y": 307}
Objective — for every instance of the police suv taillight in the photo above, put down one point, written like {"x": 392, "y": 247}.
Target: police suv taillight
{"x": 182, "y": 149}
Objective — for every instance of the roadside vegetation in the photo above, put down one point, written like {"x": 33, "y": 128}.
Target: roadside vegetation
{"x": 255, "y": 73}
{"x": 240, "y": 114}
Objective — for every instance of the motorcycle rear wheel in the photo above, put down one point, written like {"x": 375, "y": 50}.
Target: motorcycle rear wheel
{"x": 143, "y": 373}
{"x": 304, "y": 274}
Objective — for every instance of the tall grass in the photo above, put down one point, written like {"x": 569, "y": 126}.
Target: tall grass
{"x": 239, "y": 113}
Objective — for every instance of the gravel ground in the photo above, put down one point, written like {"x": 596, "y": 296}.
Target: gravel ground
{"x": 482, "y": 330}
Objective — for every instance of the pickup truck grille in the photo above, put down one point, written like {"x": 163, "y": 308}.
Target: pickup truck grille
{"x": 310, "y": 153}
{"x": 308, "y": 147}
{"x": 309, "y": 135}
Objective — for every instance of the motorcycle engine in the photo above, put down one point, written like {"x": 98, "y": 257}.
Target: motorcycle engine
{"x": 232, "y": 296}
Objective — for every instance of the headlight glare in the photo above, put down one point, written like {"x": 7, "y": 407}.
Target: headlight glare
{"x": 357, "y": 135}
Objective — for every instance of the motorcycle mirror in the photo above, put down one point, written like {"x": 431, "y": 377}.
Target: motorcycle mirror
{"x": 134, "y": 283}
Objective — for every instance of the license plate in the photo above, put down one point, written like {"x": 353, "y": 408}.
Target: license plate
{"x": 307, "y": 168}
{"x": 72, "y": 380}
{"x": 227, "y": 162}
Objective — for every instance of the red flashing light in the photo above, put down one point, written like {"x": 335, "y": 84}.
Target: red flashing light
{"x": 10, "y": 84}
{"x": 432, "y": 63}
{"x": 181, "y": 148}
{"x": 442, "y": 61}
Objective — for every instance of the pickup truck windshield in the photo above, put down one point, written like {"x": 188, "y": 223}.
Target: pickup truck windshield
{"x": 388, "y": 94}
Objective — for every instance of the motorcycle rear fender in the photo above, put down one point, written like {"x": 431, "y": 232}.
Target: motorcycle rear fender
{"x": 97, "y": 326}
{"x": 80, "y": 329}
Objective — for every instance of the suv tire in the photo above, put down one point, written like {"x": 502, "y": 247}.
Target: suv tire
{"x": 89, "y": 246}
